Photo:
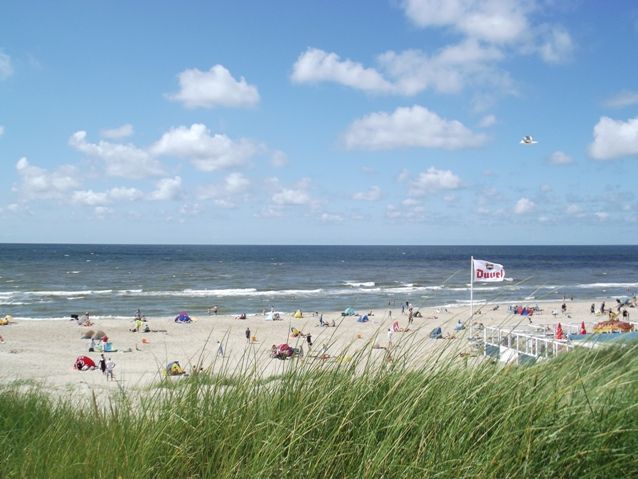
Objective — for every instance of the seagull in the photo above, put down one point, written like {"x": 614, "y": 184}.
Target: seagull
{"x": 528, "y": 140}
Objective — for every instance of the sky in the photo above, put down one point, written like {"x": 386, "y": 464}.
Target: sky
{"x": 319, "y": 122}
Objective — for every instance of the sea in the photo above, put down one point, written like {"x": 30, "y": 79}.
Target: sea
{"x": 54, "y": 281}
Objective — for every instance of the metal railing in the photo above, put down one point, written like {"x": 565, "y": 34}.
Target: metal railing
{"x": 525, "y": 343}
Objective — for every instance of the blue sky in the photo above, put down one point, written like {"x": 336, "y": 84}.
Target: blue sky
{"x": 319, "y": 122}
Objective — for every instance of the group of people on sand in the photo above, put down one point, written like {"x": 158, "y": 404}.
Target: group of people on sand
{"x": 85, "y": 320}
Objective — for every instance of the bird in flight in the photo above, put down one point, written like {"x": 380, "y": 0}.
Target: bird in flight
{"x": 528, "y": 140}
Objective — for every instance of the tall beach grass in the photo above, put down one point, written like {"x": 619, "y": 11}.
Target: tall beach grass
{"x": 574, "y": 416}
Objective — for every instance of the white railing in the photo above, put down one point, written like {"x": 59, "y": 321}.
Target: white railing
{"x": 524, "y": 343}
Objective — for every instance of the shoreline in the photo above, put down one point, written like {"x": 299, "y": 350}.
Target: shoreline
{"x": 43, "y": 351}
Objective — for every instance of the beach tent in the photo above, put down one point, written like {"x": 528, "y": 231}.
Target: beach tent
{"x": 82, "y": 363}
{"x": 349, "y": 312}
{"x": 174, "y": 369}
{"x": 436, "y": 333}
{"x": 363, "y": 319}
{"x": 298, "y": 314}
{"x": 183, "y": 317}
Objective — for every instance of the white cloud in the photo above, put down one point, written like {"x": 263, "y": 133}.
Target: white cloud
{"x": 614, "y": 138}
{"x": 497, "y": 21}
{"x": 524, "y": 206}
{"x": 125, "y": 194}
{"x": 278, "y": 159}
{"x": 235, "y": 184}
{"x": 6, "y": 69}
{"x": 102, "y": 211}
{"x": 487, "y": 121}
{"x": 38, "y": 183}
{"x": 434, "y": 180}
{"x": 167, "y": 189}
{"x": 622, "y": 99}
{"x": 1, "y": 130}
{"x": 408, "y": 72}
{"x": 560, "y": 158}
{"x": 315, "y": 65}
{"x": 119, "y": 132}
{"x": 573, "y": 210}
{"x": 296, "y": 195}
{"x": 92, "y": 198}
{"x": 409, "y": 127}
{"x": 123, "y": 160}
{"x": 205, "y": 151}
{"x": 373, "y": 194}
{"x": 448, "y": 71}
{"x": 213, "y": 88}
{"x": 331, "y": 218}
{"x": 557, "y": 45}
{"x": 602, "y": 215}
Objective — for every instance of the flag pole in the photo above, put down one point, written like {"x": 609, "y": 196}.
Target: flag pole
{"x": 471, "y": 293}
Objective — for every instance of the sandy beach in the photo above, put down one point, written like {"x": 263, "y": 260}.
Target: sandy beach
{"x": 44, "y": 351}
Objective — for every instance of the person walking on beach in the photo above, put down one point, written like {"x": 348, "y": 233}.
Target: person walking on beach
{"x": 410, "y": 316}
{"x": 102, "y": 364}
{"x": 248, "y": 335}
{"x": 220, "y": 349}
{"x": 110, "y": 365}
{"x": 390, "y": 333}
{"x": 309, "y": 339}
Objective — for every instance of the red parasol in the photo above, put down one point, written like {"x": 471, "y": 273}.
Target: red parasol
{"x": 559, "y": 332}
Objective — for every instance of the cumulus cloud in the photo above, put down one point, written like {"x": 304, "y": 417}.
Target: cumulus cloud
{"x": 167, "y": 189}
{"x": 234, "y": 185}
{"x": 1, "y": 130}
{"x": 205, "y": 151}
{"x": 38, "y": 183}
{"x": 119, "y": 132}
{"x": 213, "y": 88}
{"x": 296, "y": 195}
{"x": 614, "y": 139}
{"x": 408, "y": 72}
{"x": 524, "y": 206}
{"x": 433, "y": 180}
{"x": 500, "y": 23}
{"x": 123, "y": 160}
{"x": 573, "y": 210}
{"x": 315, "y": 65}
{"x": 278, "y": 159}
{"x": 496, "y": 21}
{"x": 622, "y": 99}
{"x": 373, "y": 194}
{"x": 331, "y": 218}
{"x": 414, "y": 126}
{"x": 487, "y": 121}
{"x": 6, "y": 68}
{"x": 560, "y": 158}
{"x": 601, "y": 215}
{"x": 557, "y": 45}
{"x": 92, "y": 198}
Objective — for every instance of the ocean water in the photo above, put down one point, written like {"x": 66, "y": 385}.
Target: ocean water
{"x": 55, "y": 281}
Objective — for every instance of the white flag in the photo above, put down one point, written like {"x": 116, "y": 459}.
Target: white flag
{"x": 488, "y": 272}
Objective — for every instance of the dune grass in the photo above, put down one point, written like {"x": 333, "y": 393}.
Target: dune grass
{"x": 574, "y": 416}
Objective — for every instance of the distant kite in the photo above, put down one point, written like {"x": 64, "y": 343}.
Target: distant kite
{"x": 528, "y": 140}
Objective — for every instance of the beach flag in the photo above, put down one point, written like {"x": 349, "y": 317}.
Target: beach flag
{"x": 486, "y": 271}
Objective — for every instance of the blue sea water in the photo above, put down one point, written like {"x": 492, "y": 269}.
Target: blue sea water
{"x": 54, "y": 281}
